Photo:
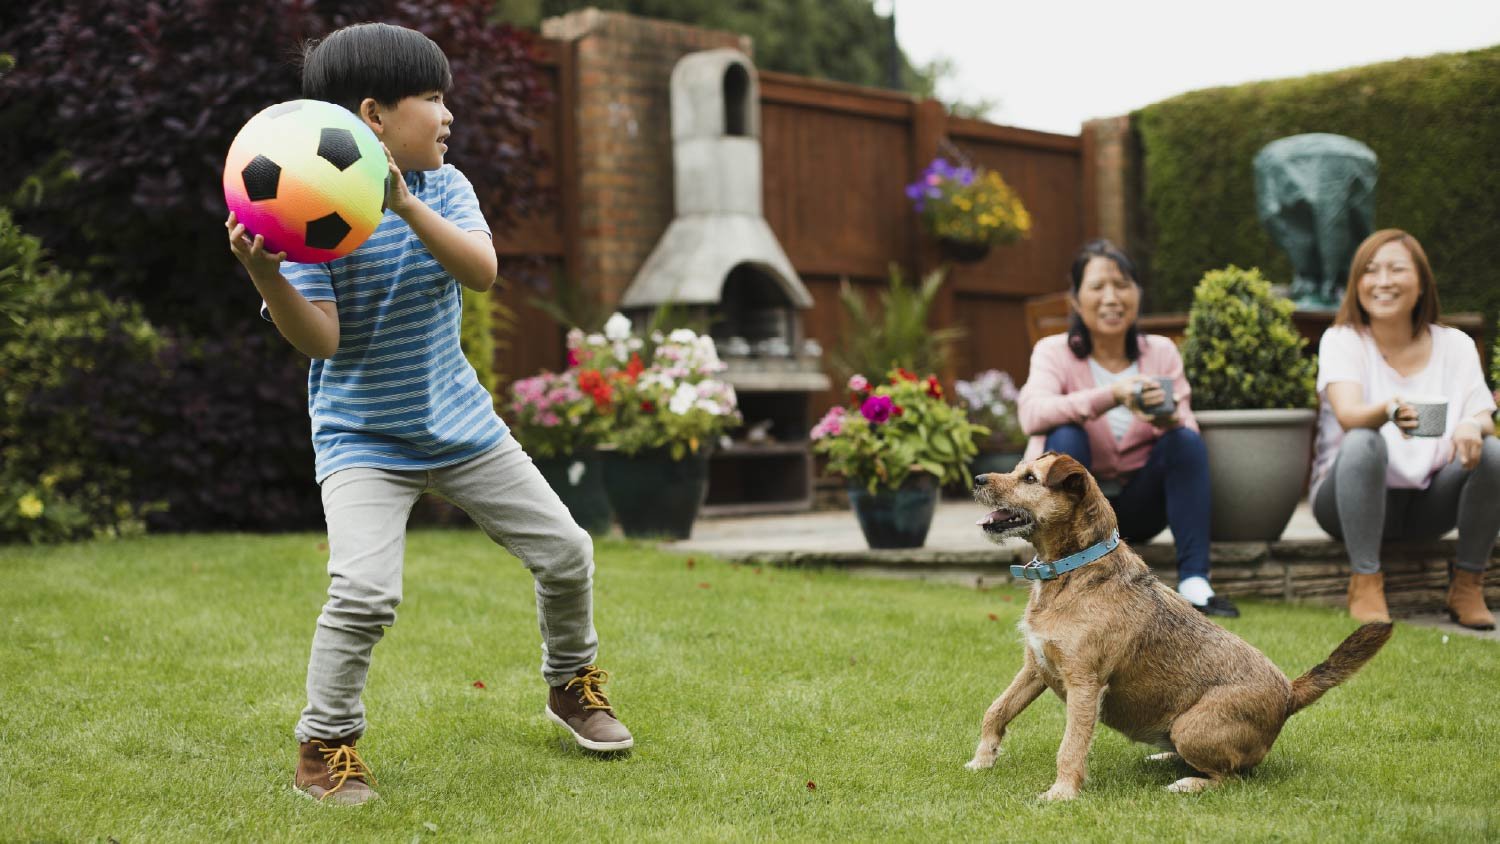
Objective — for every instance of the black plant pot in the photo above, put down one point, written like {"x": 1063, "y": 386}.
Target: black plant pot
{"x": 578, "y": 479}
{"x": 896, "y": 518}
{"x": 963, "y": 251}
{"x": 653, "y": 495}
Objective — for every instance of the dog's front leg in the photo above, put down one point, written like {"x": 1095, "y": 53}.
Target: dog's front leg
{"x": 1073, "y": 755}
{"x": 1016, "y": 697}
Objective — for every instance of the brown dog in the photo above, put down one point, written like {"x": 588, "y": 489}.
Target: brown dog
{"x": 1118, "y": 645}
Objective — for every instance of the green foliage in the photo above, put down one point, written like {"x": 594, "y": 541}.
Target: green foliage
{"x": 899, "y": 335}
{"x": 832, "y": 39}
{"x": 1433, "y": 122}
{"x": 890, "y": 430}
{"x": 1241, "y": 349}
{"x": 476, "y": 336}
{"x": 59, "y": 478}
{"x": 572, "y": 306}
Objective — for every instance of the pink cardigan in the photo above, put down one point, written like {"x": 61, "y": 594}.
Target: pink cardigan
{"x": 1060, "y": 389}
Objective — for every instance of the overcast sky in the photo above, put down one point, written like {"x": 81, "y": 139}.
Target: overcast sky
{"x": 1052, "y": 65}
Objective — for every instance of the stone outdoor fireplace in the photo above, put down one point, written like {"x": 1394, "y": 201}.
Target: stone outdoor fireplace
{"x": 719, "y": 260}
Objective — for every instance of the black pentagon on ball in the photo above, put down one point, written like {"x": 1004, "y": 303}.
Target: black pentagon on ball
{"x": 261, "y": 176}
{"x": 337, "y": 146}
{"x": 326, "y": 232}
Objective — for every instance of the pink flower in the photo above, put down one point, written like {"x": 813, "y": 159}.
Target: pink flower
{"x": 858, "y": 383}
{"x": 877, "y": 409}
{"x": 831, "y": 425}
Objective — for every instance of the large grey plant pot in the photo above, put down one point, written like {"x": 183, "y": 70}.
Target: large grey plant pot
{"x": 1257, "y": 463}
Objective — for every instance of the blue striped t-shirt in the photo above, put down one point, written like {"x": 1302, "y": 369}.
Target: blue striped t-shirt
{"x": 398, "y": 393}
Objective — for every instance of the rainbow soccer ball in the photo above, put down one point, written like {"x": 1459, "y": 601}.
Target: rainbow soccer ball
{"x": 309, "y": 177}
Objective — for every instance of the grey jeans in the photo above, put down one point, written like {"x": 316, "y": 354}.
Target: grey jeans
{"x": 367, "y": 509}
{"x": 1353, "y": 504}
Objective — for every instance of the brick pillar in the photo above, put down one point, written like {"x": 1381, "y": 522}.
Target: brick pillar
{"x": 1108, "y": 180}
{"x": 621, "y": 108}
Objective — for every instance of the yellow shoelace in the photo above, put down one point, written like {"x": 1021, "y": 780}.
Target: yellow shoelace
{"x": 590, "y": 684}
{"x": 344, "y": 764}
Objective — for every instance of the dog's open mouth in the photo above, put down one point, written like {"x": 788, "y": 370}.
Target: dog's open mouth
{"x": 1004, "y": 520}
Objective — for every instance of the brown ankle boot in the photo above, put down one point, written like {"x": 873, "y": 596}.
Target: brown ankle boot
{"x": 1367, "y": 598}
{"x": 1466, "y": 600}
{"x": 580, "y": 707}
{"x": 332, "y": 771}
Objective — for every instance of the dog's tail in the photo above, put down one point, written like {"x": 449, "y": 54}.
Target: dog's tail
{"x": 1340, "y": 665}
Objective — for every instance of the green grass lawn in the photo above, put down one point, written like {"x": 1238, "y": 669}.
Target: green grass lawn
{"x": 148, "y": 690}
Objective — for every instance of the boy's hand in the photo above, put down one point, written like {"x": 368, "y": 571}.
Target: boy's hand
{"x": 252, "y": 254}
{"x": 397, "y": 197}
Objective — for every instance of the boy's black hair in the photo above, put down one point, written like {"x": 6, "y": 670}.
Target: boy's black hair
{"x": 388, "y": 63}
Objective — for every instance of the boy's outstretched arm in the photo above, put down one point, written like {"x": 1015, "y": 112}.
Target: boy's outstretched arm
{"x": 311, "y": 327}
{"x": 467, "y": 256}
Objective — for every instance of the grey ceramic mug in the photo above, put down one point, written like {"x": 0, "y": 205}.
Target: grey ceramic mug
{"x": 1432, "y": 415}
{"x": 1168, "y": 403}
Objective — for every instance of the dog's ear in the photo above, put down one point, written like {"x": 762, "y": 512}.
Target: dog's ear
{"x": 1068, "y": 475}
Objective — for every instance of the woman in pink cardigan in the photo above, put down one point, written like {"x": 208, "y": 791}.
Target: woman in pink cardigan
{"x": 1094, "y": 395}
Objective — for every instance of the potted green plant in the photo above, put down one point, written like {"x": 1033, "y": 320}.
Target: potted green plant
{"x": 1253, "y": 396}
{"x": 990, "y": 400}
{"x": 560, "y": 426}
{"x": 968, "y": 209}
{"x": 896, "y": 443}
{"x": 666, "y": 415}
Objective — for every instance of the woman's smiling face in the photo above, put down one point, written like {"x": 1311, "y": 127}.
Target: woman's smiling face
{"x": 1107, "y": 299}
{"x": 1389, "y": 288}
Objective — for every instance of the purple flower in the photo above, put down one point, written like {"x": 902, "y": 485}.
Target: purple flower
{"x": 877, "y": 409}
{"x": 964, "y": 175}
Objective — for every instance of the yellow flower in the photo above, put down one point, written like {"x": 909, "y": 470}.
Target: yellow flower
{"x": 30, "y": 506}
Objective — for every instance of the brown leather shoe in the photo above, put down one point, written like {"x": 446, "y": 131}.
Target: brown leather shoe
{"x": 580, "y": 707}
{"x": 1367, "y": 598}
{"x": 331, "y": 771}
{"x": 1466, "y": 600}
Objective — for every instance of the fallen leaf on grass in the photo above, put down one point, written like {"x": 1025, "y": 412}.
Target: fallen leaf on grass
{"x": 478, "y": 684}
{"x": 692, "y": 562}
{"x": 994, "y": 617}
{"x": 705, "y": 585}
{"x": 812, "y": 786}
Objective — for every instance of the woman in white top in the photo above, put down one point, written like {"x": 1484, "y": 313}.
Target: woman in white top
{"x": 1372, "y": 479}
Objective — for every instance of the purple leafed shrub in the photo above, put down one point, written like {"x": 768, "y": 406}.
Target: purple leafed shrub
{"x": 138, "y": 101}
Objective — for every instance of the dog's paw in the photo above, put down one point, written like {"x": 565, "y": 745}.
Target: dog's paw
{"x": 1191, "y": 785}
{"x": 1059, "y": 792}
{"x": 1167, "y": 756}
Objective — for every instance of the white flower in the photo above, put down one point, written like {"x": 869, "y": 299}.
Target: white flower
{"x": 683, "y": 335}
{"x": 682, "y": 400}
{"x": 618, "y": 327}
{"x": 596, "y": 339}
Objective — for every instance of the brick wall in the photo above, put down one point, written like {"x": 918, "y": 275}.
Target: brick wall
{"x": 623, "y": 131}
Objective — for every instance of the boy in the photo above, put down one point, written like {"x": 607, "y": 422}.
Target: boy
{"x": 397, "y": 410}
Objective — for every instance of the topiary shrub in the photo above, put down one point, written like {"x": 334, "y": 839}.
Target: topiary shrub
{"x": 1241, "y": 349}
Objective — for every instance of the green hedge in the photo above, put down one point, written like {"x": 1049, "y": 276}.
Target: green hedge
{"x": 1434, "y": 123}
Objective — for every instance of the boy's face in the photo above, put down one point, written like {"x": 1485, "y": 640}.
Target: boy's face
{"x": 414, "y": 130}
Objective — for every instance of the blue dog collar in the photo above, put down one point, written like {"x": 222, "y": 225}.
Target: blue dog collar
{"x": 1038, "y": 570}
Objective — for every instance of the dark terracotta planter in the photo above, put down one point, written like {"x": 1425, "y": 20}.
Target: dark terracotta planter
{"x": 896, "y": 518}
{"x": 652, "y": 494}
{"x": 578, "y": 479}
{"x": 964, "y": 251}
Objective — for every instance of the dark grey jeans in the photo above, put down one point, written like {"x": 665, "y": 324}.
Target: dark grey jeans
{"x": 505, "y": 494}
{"x": 1353, "y": 504}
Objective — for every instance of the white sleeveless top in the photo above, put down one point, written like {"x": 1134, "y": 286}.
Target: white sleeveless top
{"x": 1119, "y": 417}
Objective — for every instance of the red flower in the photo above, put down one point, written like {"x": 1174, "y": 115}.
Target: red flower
{"x": 903, "y": 375}
{"x": 648, "y": 406}
{"x": 572, "y": 358}
{"x": 593, "y": 384}
{"x": 898, "y": 409}
{"x": 934, "y": 389}
{"x": 634, "y": 369}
